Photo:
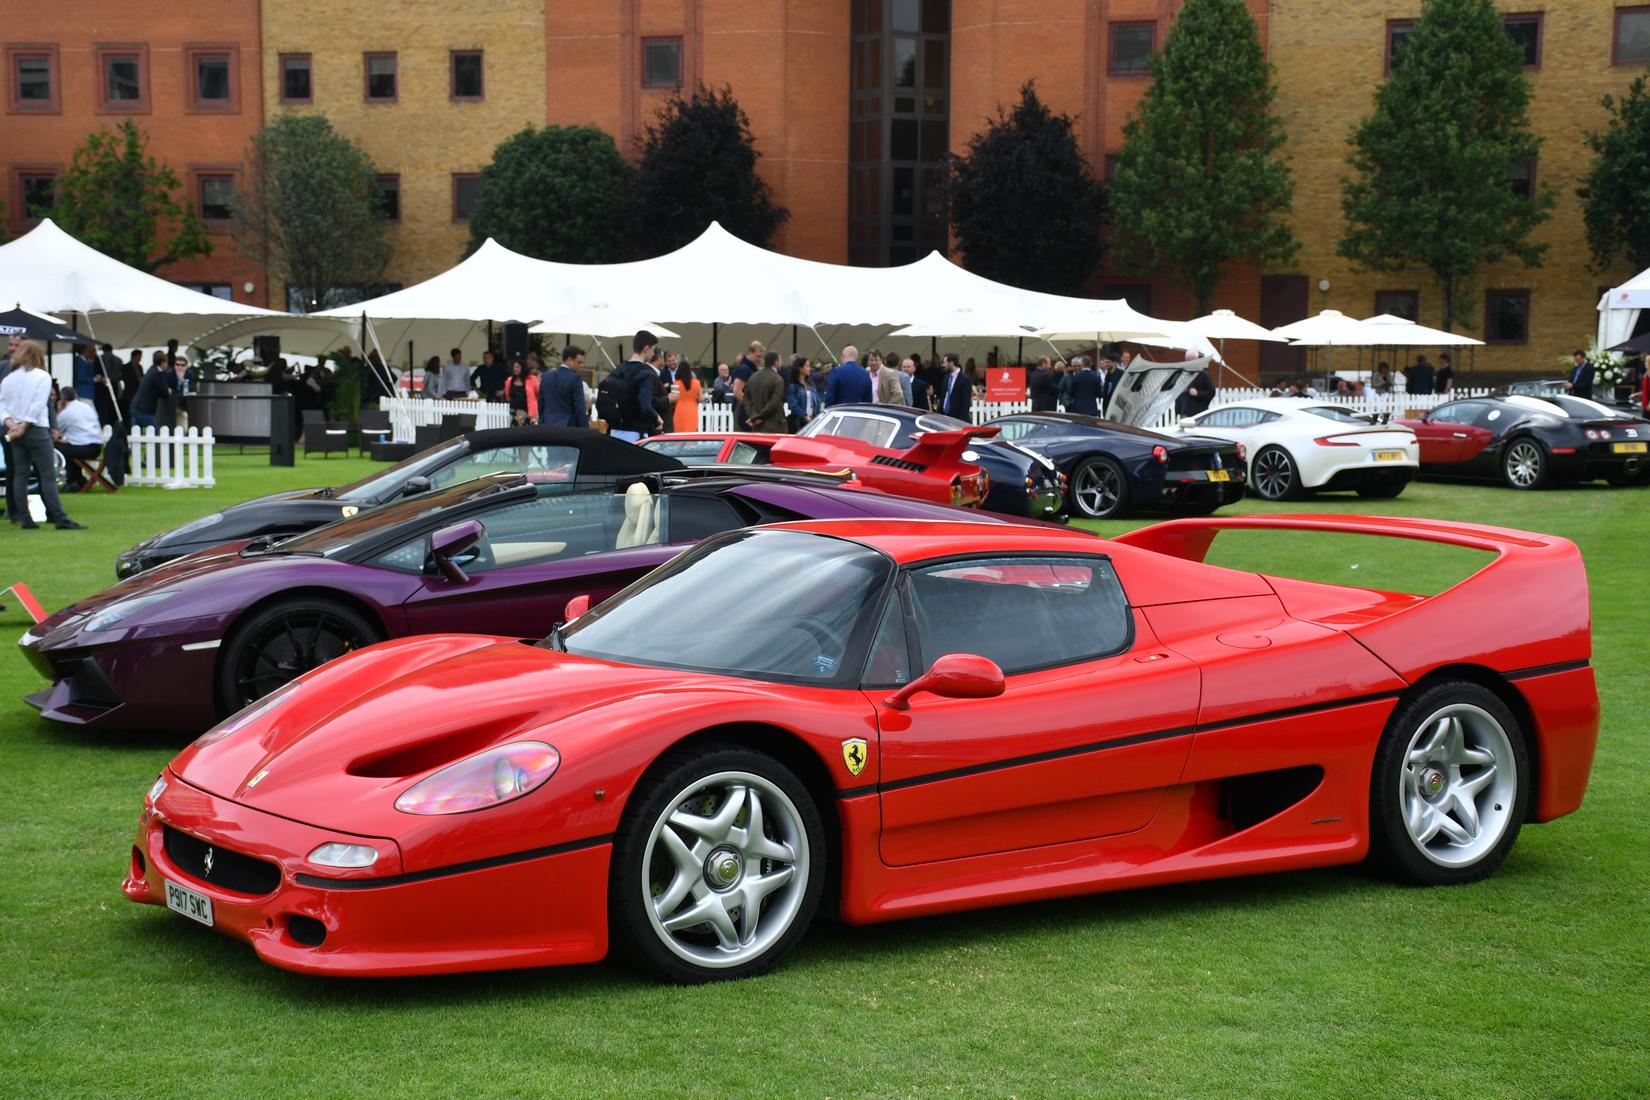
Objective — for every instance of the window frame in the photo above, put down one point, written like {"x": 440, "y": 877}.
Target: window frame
{"x": 367, "y": 58}
{"x": 456, "y": 177}
{"x": 198, "y": 175}
{"x": 1112, "y": 27}
{"x": 1615, "y": 33}
{"x": 1535, "y": 190}
{"x": 193, "y": 53}
{"x": 1540, "y": 20}
{"x": 16, "y": 53}
{"x": 1407, "y": 24}
{"x": 17, "y": 208}
{"x": 396, "y": 176}
{"x": 452, "y": 75}
{"x": 280, "y": 75}
{"x": 106, "y": 52}
{"x": 1523, "y": 292}
{"x": 1414, "y": 297}
{"x": 681, "y": 60}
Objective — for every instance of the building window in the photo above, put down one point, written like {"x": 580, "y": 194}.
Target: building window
{"x": 389, "y": 198}
{"x": 466, "y": 74}
{"x": 466, "y": 187}
{"x": 1398, "y": 303}
{"x": 1397, "y": 37}
{"x": 123, "y": 79}
{"x": 1525, "y": 31}
{"x": 1137, "y": 295}
{"x": 212, "y": 84}
{"x": 216, "y": 290}
{"x": 33, "y": 74}
{"x": 1109, "y": 167}
{"x": 381, "y": 77}
{"x": 661, "y": 62}
{"x": 1632, "y": 40}
{"x": 1521, "y": 178}
{"x": 217, "y": 193}
{"x": 296, "y": 86}
{"x": 1507, "y": 317}
{"x": 1131, "y": 48}
{"x": 35, "y": 192}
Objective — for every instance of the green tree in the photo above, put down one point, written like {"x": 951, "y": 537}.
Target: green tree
{"x": 1025, "y": 207}
{"x": 1198, "y": 184}
{"x": 698, "y": 165}
{"x": 120, "y": 200}
{"x": 556, "y": 193}
{"x": 1430, "y": 164}
{"x": 1615, "y": 192}
{"x": 310, "y": 209}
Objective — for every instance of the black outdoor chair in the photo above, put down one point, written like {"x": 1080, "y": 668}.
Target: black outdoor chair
{"x": 326, "y": 437}
{"x": 375, "y": 428}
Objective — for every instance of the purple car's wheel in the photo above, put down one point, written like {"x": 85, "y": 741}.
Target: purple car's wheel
{"x": 1450, "y": 786}
{"x": 283, "y": 640}
{"x": 717, "y": 867}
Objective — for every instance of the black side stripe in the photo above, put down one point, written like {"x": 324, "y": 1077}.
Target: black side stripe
{"x": 324, "y": 883}
{"x": 1182, "y": 731}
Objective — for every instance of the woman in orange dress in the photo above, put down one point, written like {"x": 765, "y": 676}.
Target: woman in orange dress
{"x": 686, "y": 415}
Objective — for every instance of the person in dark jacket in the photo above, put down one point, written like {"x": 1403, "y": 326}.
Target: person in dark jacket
{"x": 1418, "y": 378}
{"x": 1044, "y": 386}
{"x": 131, "y": 377}
{"x": 956, "y": 395}
{"x": 561, "y": 392}
{"x": 643, "y": 419}
{"x": 159, "y": 383}
{"x": 1197, "y": 397}
{"x": 1581, "y": 376}
{"x": 922, "y": 395}
{"x": 850, "y": 383}
{"x": 1085, "y": 388}
{"x": 765, "y": 398}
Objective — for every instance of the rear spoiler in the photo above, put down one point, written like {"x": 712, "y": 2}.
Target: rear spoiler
{"x": 931, "y": 448}
{"x": 1526, "y": 609}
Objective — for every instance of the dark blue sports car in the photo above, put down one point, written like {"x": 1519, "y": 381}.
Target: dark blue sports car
{"x": 1114, "y": 470}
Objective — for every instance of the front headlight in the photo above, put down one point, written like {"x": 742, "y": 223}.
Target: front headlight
{"x": 195, "y": 525}
{"x": 158, "y": 789}
{"x": 245, "y": 715}
{"x": 336, "y": 854}
{"x": 116, "y": 613}
{"x": 489, "y": 778}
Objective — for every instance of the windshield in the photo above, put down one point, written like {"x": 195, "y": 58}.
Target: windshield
{"x": 1579, "y": 408}
{"x": 378, "y": 485}
{"x": 338, "y": 537}
{"x": 771, "y": 605}
{"x": 937, "y": 422}
{"x": 1338, "y": 414}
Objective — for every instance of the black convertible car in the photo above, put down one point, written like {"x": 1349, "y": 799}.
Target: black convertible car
{"x": 1532, "y": 442}
{"x": 576, "y": 456}
{"x": 1114, "y": 469}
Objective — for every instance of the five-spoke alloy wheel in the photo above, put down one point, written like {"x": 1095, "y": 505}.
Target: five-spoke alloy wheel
{"x": 1099, "y": 489}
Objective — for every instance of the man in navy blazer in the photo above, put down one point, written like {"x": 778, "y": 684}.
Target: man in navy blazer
{"x": 849, "y": 383}
{"x": 561, "y": 392}
{"x": 1086, "y": 389}
{"x": 956, "y": 392}
{"x": 1581, "y": 377}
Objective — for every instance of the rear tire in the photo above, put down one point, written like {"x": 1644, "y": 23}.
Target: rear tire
{"x": 1274, "y": 475}
{"x": 283, "y": 640}
{"x": 1099, "y": 489}
{"x": 1524, "y": 464}
{"x": 1450, "y": 786}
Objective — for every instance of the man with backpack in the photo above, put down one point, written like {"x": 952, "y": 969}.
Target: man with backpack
{"x": 625, "y": 397}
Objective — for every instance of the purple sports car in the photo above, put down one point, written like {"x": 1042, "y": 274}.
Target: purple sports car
{"x": 179, "y": 646}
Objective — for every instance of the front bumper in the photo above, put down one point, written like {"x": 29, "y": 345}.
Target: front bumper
{"x": 127, "y": 679}
{"x": 539, "y": 910}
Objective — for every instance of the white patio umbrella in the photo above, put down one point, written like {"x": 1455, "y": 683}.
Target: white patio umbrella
{"x": 1223, "y": 324}
{"x": 1396, "y": 331}
{"x": 1330, "y": 328}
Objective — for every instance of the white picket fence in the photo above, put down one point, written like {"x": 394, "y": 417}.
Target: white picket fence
{"x": 173, "y": 458}
{"x": 406, "y": 415}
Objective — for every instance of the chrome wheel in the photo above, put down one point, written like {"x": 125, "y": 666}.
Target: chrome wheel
{"x": 1274, "y": 474}
{"x": 725, "y": 870}
{"x": 1524, "y": 464}
{"x": 1458, "y": 785}
{"x": 1097, "y": 489}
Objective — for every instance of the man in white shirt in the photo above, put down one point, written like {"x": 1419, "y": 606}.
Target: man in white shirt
{"x": 25, "y": 414}
{"x": 79, "y": 434}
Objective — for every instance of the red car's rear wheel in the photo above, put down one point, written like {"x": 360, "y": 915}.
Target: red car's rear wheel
{"x": 717, "y": 866}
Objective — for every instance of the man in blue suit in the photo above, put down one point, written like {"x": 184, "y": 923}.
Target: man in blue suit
{"x": 561, "y": 392}
{"x": 850, "y": 383}
{"x": 956, "y": 392}
{"x": 1086, "y": 389}
{"x": 1581, "y": 377}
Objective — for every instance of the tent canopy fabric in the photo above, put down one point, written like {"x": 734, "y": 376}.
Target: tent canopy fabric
{"x": 1329, "y": 328}
{"x": 1223, "y": 324}
{"x": 1390, "y": 330}
{"x": 47, "y": 269}
{"x": 1619, "y": 307}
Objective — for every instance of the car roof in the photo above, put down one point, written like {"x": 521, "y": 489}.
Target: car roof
{"x": 1282, "y": 404}
{"x": 598, "y": 453}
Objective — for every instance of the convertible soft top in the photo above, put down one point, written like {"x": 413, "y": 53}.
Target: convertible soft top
{"x": 598, "y": 453}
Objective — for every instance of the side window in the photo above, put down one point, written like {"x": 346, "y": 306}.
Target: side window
{"x": 545, "y": 529}
{"x": 1233, "y": 418}
{"x": 748, "y": 454}
{"x": 552, "y": 464}
{"x": 1016, "y": 429}
{"x": 1021, "y": 612}
{"x": 878, "y": 433}
{"x": 689, "y": 452}
{"x": 889, "y": 663}
{"x": 694, "y": 517}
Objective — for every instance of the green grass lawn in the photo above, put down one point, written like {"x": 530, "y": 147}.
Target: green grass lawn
{"x": 1534, "y": 983}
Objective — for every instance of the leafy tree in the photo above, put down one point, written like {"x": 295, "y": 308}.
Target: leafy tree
{"x": 555, "y": 194}
{"x": 1025, "y": 207}
{"x": 1431, "y": 162}
{"x": 310, "y": 208}
{"x": 120, "y": 200}
{"x": 698, "y": 165}
{"x": 1198, "y": 185}
{"x": 1615, "y": 193}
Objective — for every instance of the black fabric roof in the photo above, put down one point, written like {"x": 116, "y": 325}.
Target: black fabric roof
{"x": 598, "y": 453}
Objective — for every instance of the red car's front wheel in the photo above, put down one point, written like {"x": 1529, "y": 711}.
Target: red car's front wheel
{"x": 717, "y": 867}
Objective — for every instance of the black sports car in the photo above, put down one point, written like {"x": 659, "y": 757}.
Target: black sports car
{"x": 580, "y": 457}
{"x": 1023, "y": 483}
{"x": 1532, "y": 442}
{"x": 1115, "y": 469}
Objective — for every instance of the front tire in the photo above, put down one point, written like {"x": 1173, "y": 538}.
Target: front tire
{"x": 1099, "y": 489}
{"x": 718, "y": 866}
{"x": 1450, "y": 786}
{"x": 1274, "y": 475}
{"x": 1525, "y": 464}
{"x": 281, "y": 641}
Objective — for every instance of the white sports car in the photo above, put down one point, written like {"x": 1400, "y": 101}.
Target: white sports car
{"x": 1302, "y": 445}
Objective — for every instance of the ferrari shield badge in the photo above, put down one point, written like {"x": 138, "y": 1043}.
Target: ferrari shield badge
{"x": 853, "y": 754}
{"x": 350, "y": 510}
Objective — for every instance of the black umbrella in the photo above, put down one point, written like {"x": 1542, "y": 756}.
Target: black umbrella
{"x": 1638, "y": 345}
{"x": 32, "y": 326}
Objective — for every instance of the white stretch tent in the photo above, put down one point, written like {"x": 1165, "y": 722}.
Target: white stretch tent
{"x": 48, "y": 270}
{"x": 1618, "y": 310}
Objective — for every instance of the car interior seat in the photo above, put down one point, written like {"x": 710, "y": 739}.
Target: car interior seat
{"x": 641, "y": 520}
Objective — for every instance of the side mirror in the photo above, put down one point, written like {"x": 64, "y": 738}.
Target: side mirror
{"x": 576, "y": 606}
{"x": 1187, "y": 423}
{"x": 415, "y": 485}
{"x": 449, "y": 542}
{"x": 953, "y": 676}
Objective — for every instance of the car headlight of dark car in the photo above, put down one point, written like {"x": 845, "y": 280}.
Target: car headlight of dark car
{"x": 109, "y": 617}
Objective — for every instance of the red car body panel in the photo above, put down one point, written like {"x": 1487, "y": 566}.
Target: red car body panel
{"x": 1098, "y": 775}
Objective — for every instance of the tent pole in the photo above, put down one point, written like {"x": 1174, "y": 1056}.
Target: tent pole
{"x": 823, "y": 346}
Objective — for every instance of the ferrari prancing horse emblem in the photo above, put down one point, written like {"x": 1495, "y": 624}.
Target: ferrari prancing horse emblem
{"x": 853, "y": 754}
{"x": 350, "y": 510}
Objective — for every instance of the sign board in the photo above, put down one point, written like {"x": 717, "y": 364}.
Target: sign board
{"x": 1005, "y": 384}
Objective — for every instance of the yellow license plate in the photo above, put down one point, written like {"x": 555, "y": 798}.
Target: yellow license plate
{"x": 1220, "y": 475}
{"x": 1389, "y": 456}
{"x": 1629, "y": 448}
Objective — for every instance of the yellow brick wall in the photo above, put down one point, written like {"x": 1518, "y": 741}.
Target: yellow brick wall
{"x": 1330, "y": 59}
{"x": 424, "y": 136}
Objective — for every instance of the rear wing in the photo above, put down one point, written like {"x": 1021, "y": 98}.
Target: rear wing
{"x": 932, "y": 448}
{"x": 1526, "y": 609}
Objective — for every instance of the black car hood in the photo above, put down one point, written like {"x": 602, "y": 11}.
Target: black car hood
{"x": 298, "y": 508}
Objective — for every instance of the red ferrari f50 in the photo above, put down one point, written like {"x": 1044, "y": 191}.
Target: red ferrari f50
{"x": 890, "y": 718}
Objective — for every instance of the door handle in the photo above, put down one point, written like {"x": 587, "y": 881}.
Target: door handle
{"x": 1459, "y": 435}
{"x": 1150, "y": 657}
